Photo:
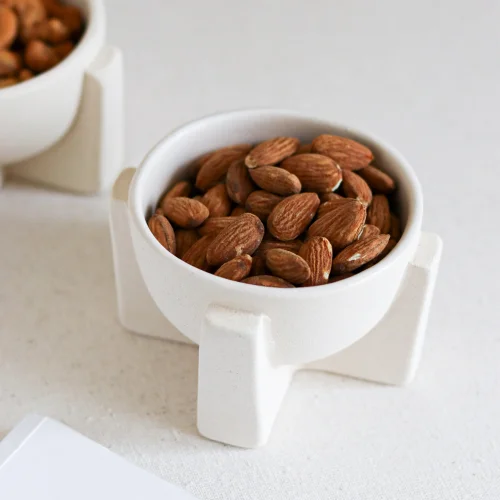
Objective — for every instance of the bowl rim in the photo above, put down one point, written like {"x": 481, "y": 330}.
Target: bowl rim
{"x": 408, "y": 238}
{"x": 95, "y": 26}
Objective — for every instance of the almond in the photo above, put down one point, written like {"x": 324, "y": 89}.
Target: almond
{"x": 185, "y": 239}
{"x": 368, "y": 232}
{"x": 10, "y": 63}
{"x": 244, "y": 235}
{"x": 276, "y": 180}
{"x": 185, "y": 212}
{"x": 359, "y": 253}
{"x": 324, "y": 197}
{"x": 258, "y": 265}
{"x": 390, "y": 246}
{"x": 288, "y": 266}
{"x": 197, "y": 255}
{"x": 39, "y": 56}
{"x": 292, "y": 246}
{"x": 262, "y": 203}
{"x": 270, "y": 281}
{"x": 272, "y": 151}
{"x": 238, "y": 182}
{"x": 8, "y": 82}
{"x": 8, "y": 27}
{"x": 215, "y": 166}
{"x": 379, "y": 213}
{"x": 291, "y": 216}
{"x": 236, "y": 269}
{"x": 377, "y": 180}
{"x": 317, "y": 252}
{"x": 304, "y": 148}
{"x": 317, "y": 173}
{"x": 181, "y": 188}
{"x": 395, "y": 228}
{"x": 214, "y": 225}
{"x": 356, "y": 187}
{"x": 217, "y": 201}
{"x": 328, "y": 206}
{"x": 341, "y": 225}
{"x": 238, "y": 211}
{"x": 163, "y": 231}
{"x": 349, "y": 154}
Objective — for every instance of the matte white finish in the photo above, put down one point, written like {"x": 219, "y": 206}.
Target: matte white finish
{"x": 64, "y": 128}
{"x": 42, "y": 459}
{"x": 291, "y": 327}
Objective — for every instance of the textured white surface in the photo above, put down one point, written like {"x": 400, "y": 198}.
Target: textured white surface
{"x": 424, "y": 76}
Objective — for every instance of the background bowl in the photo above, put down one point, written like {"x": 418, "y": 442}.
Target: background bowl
{"x": 35, "y": 114}
{"x": 308, "y": 323}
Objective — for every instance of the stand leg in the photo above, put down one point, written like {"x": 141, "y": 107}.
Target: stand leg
{"x": 136, "y": 309}
{"x": 239, "y": 390}
{"x": 390, "y": 353}
{"x": 89, "y": 157}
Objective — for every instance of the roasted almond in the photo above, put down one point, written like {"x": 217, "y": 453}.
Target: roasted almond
{"x": 261, "y": 203}
{"x": 181, "y": 188}
{"x": 291, "y": 246}
{"x": 341, "y": 225}
{"x": 330, "y": 205}
{"x": 317, "y": 252}
{"x": 39, "y": 56}
{"x": 395, "y": 227}
{"x": 324, "y": 197}
{"x": 163, "y": 231}
{"x": 258, "y": 265}
{"x": 214, "y": 225}
{"x": 356, "y": 187}
{"x": 215, "y": 166}
{"x": 244, "y": 235}
{"x": 185, "y": 239}
{"x": 288, "y": 266}
{"x": 276, "y": 180}
{"x": 368, "y": 232}
{"x": 349, "y": 154}
{"x": 378, "y": 181}
{"x": 8, "y": 27}
{"x": 197, "y": 255}
{"x": 185, "y": 212}
{"x": 238, "y": 211}
{"x": 272, "y": 151}
{"x": 10, "y": 63}
{"x": 316, "y": 172}
{"x": 238, "y": 182}
{"x": 388, "y": 248}
{"x": 217, "y": 201}
{"x": 359, "y": 253}
{"x": 236, "y": 269}
{"x": 304, "y": 148}
{"x": 291, "y": 216}
{"x": 266, "y": 280}
{"x": 379, "y": 213}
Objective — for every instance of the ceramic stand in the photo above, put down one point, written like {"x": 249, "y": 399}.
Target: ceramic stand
{"x": 240, "y": 387}
{"x": 89, "y": 157}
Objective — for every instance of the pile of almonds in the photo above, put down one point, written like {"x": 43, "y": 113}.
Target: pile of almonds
{"x": 35, "y": 35}
{"x": 268, "y": 215}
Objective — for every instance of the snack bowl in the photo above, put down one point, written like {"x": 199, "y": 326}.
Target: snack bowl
{"x": 37, "y": 113}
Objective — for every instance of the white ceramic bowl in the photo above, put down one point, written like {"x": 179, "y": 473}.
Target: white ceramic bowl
{"x": 307, "y": 323}
{"x": 35, "y": 114}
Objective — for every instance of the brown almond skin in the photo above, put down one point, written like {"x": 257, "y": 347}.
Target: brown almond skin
{"x": 237, "y": 211}
{"x": 262, "y": 203}
{"x": 379, "y": 213}
{"x": 368, "y": 232}
{"x": 276, "y": 180}
{"x": 185, "y": 239}
{"x": 288, "y": 266}
{"x": 303, "y": 149}
{"x": 181, "y": 188}
{"x": 328, "y": 206}
{"x": 64, "y": 49}
{"x": 317, "y": 252}
{"x": 395, "y": 227}
{"x": 196, "y": 256}
{"x": 214, "y": 225}
{"x": 244, "y": 235}
{"x": 359, "y": 253}
{"x": 236, "y": 269}
{"x": 356, "y": 187}
{"x": 25, "y": 74}
{"x": 8, "y": 27}
{"x": 272, "y": 151}
{"x": 388, "y": 249}
{"x": 317, "y": 173}
{"x": 291, "y": 216}
{"x": 269, "y": 281}
{"x": 239, "y": 184}
{"x": 217, "y": 201}
{"x": 185, "y": 212}
{"x": 215, "y": 166}
{"x": 163, "y": 231}
{"x": 39, "y": 56}
{"x": 258, "y": 265}
{"x": 292, "y": 246}
{"x": 378, "y": 181}
{"x": 341, "y": 225}
{"x": 324, "y": 197}
{"x": 349, "y": 154}
{"x": 8, "y": 82}
{"x": 10, "y": 63}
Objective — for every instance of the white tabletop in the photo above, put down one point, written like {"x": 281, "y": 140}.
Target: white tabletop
{"x": 423, "y": 75}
